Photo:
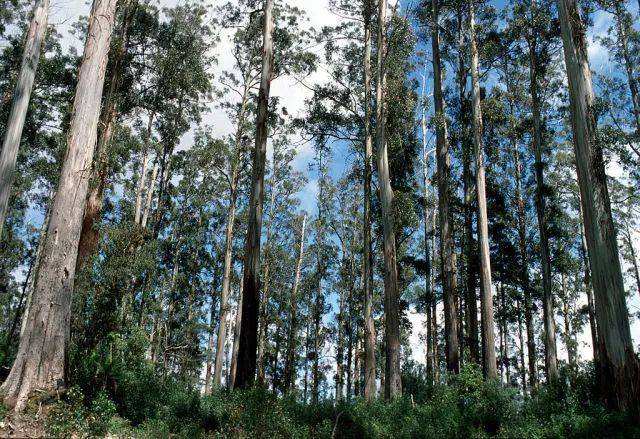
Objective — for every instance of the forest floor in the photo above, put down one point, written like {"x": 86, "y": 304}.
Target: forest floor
{"x": 466, "y": 407}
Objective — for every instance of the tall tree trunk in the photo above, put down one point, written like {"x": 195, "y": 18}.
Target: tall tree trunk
{"x": 21, "y": 95}
{"x": 525, "y": 282}
{"x": 551, "y": 363}
{"x": 236, "y": 340}
{"x": 245, "y": 374}
{"x": 435, "y": 352}
{"x": 152, "y": 186}
{"x": 618, "y": 369}
{"x": 443, "y": 159}
{"x": 393, "y": 383}
{"x": 290, "y": 368}
{"x": 367, "y": 275}
{"x": 264, "y": 300}
{"x": 427, "y": 231}
{"x": 226, "y": 277}
{"x": 489, "y": 363}
{"x": 571, "y": 355}
{"x": 523, "y": 368}
{"x": 340, "y": 350}
{"x": 210, "y": 345}
{"x": 623, "y": 26}
{"x": 137, "y": 217}
{"x": 40, "y": 362}
{"x": 90, "y": 236}
{"x": 632, "y": 255}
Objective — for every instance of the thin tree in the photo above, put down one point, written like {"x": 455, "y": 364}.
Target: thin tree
{"x": 289, "y": 367}
{"x": 547, "y": 297}
{"x": 393, "y": 383}
{"x": 443, "y": 163}
{"x": 40, "y": 362}
{"x": 617, "y": 369}
{"x": 488, "y": 336}
{"x": 245, "y": 373}
{"x": 21, "y": 96}
{"x": 367, "y": 274}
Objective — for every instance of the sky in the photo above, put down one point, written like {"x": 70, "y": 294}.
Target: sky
{"x": 64, "y": 13}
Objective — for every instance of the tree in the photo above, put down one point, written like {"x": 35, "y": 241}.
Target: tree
{"x": 31, "y": 55}
{"x": 443, "y": 163}
{"x": 618, "y": 368}
{"x": 40, "y": 363}
{"x": 393, "y": 384}
{"x": 367, "y": 263}
{"x": 488, "y": 337}
{"x": 251, "y": 277}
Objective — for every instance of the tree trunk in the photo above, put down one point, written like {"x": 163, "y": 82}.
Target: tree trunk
{"x": 489, "y": 353}
{"x": 623, "y": 25}
{"x": 617, "y": 370}
{"x": 264, "y": 300}
{"x": 632, "y": 254}
{"x": 212, "y": 325}
{"x": 551, "y": 365}
{"x": 367, "y": 266}
{"x": 393, "y": 383}
{"x": 152, "y": 185}
{"x": 245, "y": 373}
{"x": 236, "y": 340}
{"x": 21, "y": 95}
{"x": 143, "y": 172}
{"x": 571, "y": 355}
{"x": 523, "y": 368}
{"x": 226, "y": 277}
{"x": 290, "y": 369}
{"x": 443, "y": 159}
{"x": 40, "y": 362}
{"x": 525, "y": 282}
{"x": 228, "y": 261}
{"x": 90, "y": 236}
{"x": 435, "y": 359}
{"x": 340, "y": 350}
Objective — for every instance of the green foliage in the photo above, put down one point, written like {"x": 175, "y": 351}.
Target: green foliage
{"x": 468, "y": 406}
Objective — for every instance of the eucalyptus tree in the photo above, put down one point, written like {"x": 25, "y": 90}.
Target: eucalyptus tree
{"x": 40, "y": 362}
{"x": 245, "y": 374}
{"x": 618, "y": 367}
{"x": 13, "y": 132}
{"x": 488, "y": 337}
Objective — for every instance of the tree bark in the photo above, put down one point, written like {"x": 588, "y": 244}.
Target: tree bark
{"x": 290, "y": 368}
{"x": 523, "y": 368}
{"x": 236, "y": 340}
{"x": 21, "y": 96}
{"x": 617, "y": 369}
{"x": 228, "y": 252}
{"x": 525, "y": 282}
{"x": 40, "y": 362}
{"x": 547, "y": 298}
{"x": 152, "y": 186}
{"x": 623, "y": 25}
{"x": 489, "y": 353}
{"x": 90, "y": 236}
{"x": 208, "y": 375}
{"x": 633, "y": 257}
{"x": 264, "y": 300}
{"x": 245, "y": 373}
{"x": 393, "y": 383}
{"x": 443, "y": 160}
{"x": 137, "y": 217}
{"x": 367, "y": 275}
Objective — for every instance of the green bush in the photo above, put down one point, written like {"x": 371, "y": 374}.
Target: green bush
{"x": 135, "y": 400}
